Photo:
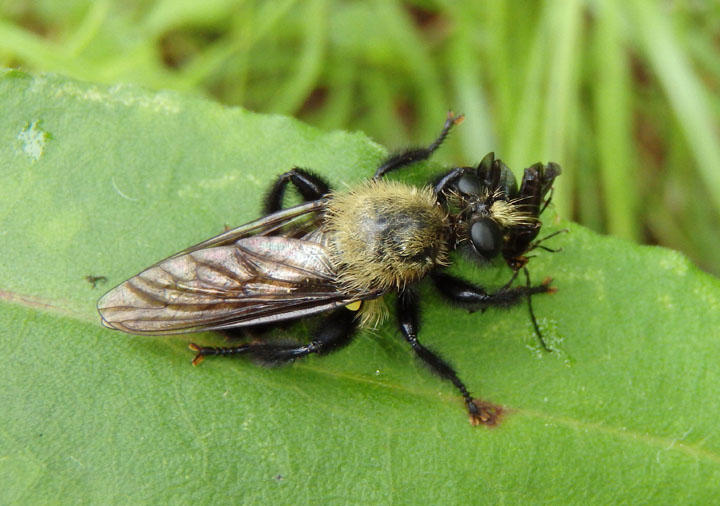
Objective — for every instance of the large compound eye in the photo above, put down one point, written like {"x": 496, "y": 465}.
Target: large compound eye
{"x": 486, "y": 237}
{"x": 469, "y": 185}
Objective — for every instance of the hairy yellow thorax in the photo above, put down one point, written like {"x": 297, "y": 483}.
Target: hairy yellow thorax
{"x": 383, "y": 235}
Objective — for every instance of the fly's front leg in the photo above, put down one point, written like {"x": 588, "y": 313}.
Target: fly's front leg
{"x": 475, "y": 297}
{"x": 408, "y": 318}
{"x": 311, "y": 187}
{"x": 446, "y": 182}
{"x": 410, "y": 156}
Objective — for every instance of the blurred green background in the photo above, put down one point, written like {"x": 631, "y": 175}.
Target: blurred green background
{"x": 623, "y": 94}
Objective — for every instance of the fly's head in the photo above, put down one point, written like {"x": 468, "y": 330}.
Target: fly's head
{"x": 492, "y": 216}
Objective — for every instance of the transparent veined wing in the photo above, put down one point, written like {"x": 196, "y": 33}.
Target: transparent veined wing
{"x": 256, "y": 280}
{"x": 296, "y": 222}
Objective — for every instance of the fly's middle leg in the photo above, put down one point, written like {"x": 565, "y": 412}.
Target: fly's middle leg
{"x": 310, "y": 185}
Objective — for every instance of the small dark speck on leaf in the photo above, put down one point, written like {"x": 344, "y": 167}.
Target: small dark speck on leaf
{"x": 94, "y": 280}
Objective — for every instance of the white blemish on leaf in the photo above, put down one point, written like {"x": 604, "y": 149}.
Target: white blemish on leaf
{"x": 666, "y": 301}
{"x": 675, "y": 262}
{"x": 218, "y": 182}
{"x": 129, "y": 96}
{"x": 553, "y": 340}
{"x": 253, "y": 179}
{"x": 707, "y": 293}
{"x": 224, "y": 181}
{"x": 33, "y": 140}
{"x": 119, "y": 192}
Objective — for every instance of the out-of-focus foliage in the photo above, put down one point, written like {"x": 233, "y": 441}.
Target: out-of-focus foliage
{"x": 622, "y": 94}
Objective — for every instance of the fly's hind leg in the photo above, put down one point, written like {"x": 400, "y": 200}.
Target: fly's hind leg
{"x": 334, "y": 332}
{"x": 311, "y": 187}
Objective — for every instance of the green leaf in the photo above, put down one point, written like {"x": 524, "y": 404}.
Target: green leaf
{"x": 105, "y": 181}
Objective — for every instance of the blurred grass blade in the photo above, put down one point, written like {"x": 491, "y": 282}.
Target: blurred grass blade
{"x": 414, "y": 57}
{"x": 308, "y": 64}
{"x": 38, "y": 51}
{"x": 523, "y": 140}
{"x": 561, "y": 95}
{"x": 684, "y": 90}
{"x": 613, "y": 120}
{"x": 465, "y": 71}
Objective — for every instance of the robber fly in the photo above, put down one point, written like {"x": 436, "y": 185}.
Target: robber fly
{"x": 341, "y": 253}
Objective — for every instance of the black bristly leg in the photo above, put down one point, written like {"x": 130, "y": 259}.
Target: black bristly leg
{"x": 446, "y": 181}
{"x": 537, "y": 244}
{"x": 410, "y": 156}
{"x": 409, "y": 321}
{"x": 532, "y": 313}
{"x": 475, "y": 297}
{"x": 311, "y": 187}
{"x": 547, "y": 201}
{"x": 333, "y": 333}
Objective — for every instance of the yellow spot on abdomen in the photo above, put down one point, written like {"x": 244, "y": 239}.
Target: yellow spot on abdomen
{"x": 354, "y": 306}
